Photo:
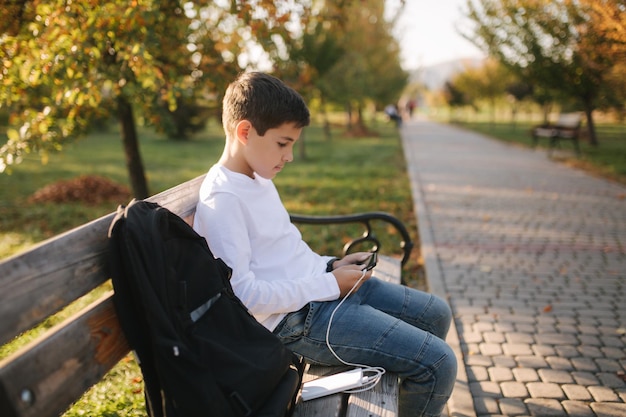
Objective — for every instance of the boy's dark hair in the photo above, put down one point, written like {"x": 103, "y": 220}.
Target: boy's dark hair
{"x": 265, "y": 101}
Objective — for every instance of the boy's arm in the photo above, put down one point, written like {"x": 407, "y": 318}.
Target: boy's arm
{"x": 224, "y": 227}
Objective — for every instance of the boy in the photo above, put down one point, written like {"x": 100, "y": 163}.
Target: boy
{"x": 292, "y": 290}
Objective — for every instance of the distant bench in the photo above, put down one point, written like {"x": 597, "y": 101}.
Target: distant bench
{"x": 47, "y": 375}
{"x": 567, "y": 127}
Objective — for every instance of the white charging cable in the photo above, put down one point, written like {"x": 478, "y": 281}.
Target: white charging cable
{"x": 371, "y": 374}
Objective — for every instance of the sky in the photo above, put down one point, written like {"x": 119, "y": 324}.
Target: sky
{"x": 427, "y": 35}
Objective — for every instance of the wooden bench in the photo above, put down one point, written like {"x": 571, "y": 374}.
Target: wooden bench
{"x": 567, "y": 127}
{"x": 47, "y": 375}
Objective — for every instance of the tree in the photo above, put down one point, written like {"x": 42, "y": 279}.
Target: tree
{"x": 609, "y": 20}
{"x": 551, "y": 45}
{"x": 314, "y": 53}
{"x": 368, "y": 70}
{"x": 487, "y": 82}
{"x": 454, "y": 96}
{"x": 65, "y": 64}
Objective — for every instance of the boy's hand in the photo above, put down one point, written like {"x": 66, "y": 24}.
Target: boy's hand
{"x": 348, "y": 275}
{"x": 356, "y": 258}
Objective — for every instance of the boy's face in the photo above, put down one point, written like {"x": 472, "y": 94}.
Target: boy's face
{"x": 267, "y": 155}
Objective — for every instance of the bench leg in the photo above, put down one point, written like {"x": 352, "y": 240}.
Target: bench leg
{"x": 576, "y": 146}
{"x": 554, "y": 142}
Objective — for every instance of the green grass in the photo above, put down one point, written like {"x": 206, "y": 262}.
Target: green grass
{"x": 341, "y": 176}
{"x": 607, "y": 160}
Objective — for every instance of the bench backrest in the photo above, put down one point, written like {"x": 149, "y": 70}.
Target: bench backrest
{"x": 569, "y": 120}
{"x": 46, "y": 376}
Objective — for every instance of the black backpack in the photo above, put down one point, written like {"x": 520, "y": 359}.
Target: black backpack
{"x": 200, "y": 351}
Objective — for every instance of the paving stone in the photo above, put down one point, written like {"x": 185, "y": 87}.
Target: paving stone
{"x": 479, "y": 360}
{"x": 616, "y": 353}
{"x": 556, "y": 376}
{"x": 589, "y": 340}
{"x": 520, "y": 316}
{"x": 504, "y": 361}
{"x": 525, "y": 328}
{"x": 545, "y": 390}
{"x": 522, "y": 338}
{"x": 472, "y": 337}
{"x": 535, "y": 362}
{"x": 505, "y": 328}
{"x": 494, "y": 337}
{"x": 514, "y": 389}
{"x": 609, "y": 409}
{"x": 512, "y": 407}
{"x": 611, "y": 380}
{"x": 608, "y": 365}
{"x": 559, "y": 363}
{"x": 477, "y": 373}
{"x": 543, "y": 350}
{"x": 556, "y": 339}
{"x": 577, "y": 409}
{"x": 486, "y": 406}
{"x": 585, "y": 378}
{"x": 566, "y": 351}
{"x": 570, "y": 320}
{"x": 576, "y": 392}
{"x": 567, "y": 328}
{"x": 525, "y": 375}
{"x": 482, "y": 327}
{"x": 499, "y": 374}
{"x": 490, "y": 349}
{"x": 603, "y": 394}
{"x": 546, "y": 328}
{"x": 590, "y": 351}
{"x": 584, "y": 364}
{"x": 516, "y": 349}
{"x": 485, "y": 389}
{"x": 588, "y": 329}
{"x": 542, "y": 407}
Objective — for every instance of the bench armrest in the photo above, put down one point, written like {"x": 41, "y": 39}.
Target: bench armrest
{"x": 406, "y": 244}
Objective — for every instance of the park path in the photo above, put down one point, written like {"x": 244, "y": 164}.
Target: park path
{"x": 531, "y": 255}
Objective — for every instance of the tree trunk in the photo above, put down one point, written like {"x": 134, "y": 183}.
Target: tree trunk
{"x": 591, "y": 127}
{"x": 360, "y": 121}
{"x": 327, "y": 132}
{"x": 349, "y": 116}
{"x": 134, "y": 165}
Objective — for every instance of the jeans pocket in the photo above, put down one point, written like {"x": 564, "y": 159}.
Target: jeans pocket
{"x": 291, "y": 328}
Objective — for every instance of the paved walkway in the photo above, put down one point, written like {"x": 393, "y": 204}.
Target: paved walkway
{"x": 532, "y": 257}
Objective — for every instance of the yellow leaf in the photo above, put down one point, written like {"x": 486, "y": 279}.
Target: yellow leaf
{"x": 147, "y": 82}
{"x": 13, "y": 134}
{"x": 43, "y": 127}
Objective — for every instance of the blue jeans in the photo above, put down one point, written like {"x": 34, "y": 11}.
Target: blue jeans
{"x": 387, "y": 325}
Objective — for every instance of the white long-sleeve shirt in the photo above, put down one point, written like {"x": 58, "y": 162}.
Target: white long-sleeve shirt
{"x": 245, "y": 223}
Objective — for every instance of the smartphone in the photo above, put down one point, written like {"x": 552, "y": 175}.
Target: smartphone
{"x": 371, "y": 261}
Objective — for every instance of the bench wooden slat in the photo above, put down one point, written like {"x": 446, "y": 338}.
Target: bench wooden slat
{"x": 40, "y": 282}
{"x": 379, "y": 402}
{"x": 44, "y": 377}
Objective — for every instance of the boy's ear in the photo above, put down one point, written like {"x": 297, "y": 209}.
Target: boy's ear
{"x": 242, "y": 130}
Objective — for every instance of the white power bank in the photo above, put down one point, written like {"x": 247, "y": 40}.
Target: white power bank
{"x": 332, "y": 384}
